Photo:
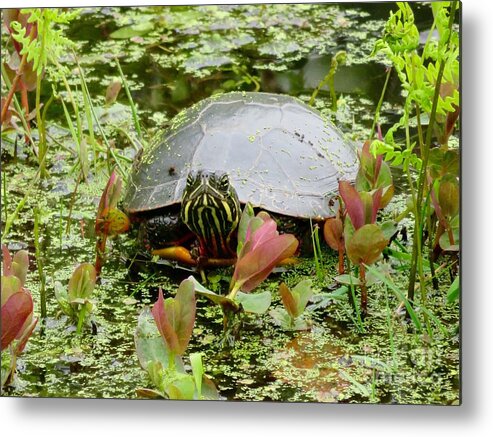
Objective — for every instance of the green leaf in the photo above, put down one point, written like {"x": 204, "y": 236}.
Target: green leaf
{"x": 287, "y": 323}
{"x": 246, "y": 216}
{"x": 454, "y": 291}
{"x": 133, "y": 30}
{"x": 82, "y": 282}
{"x": 10, "y": 286}
{"x": 218, "y": 299}
{"x": 389, "y": 228}
{"x": 197, "y": 371}
{"x": 257, "y": 303}
{"x": 366, "y": 245}
{"x": 347, "y": 280}
{"x": 182, "y": 388}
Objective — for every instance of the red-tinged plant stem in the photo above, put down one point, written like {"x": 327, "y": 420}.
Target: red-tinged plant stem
{"x": 364, "y": 290}
{"x": 341, "y": 260}
{"x": 17, "y": 77}
{"x": 424, "y": 164}
{"x": 100, "y": 249}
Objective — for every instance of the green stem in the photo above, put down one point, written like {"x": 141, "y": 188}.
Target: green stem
{"x": 380, "y": 103}
{"x": 82, "y": 316}
{"x": 39, "y": 262}
{"x": 426, "y": 152}
{"x": 130, "y": 100}
{"x": 5, "y": 197}
{"x": 43, "y": 146}
{"x": 123, "y": 173}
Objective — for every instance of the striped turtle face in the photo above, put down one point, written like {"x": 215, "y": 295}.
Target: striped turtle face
{"x": 210, "y": 208}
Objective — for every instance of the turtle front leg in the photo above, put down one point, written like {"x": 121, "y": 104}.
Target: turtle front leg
{"x": 176, "y": 253}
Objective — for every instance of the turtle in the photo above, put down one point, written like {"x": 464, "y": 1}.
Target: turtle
{"x": 270, "y": 150}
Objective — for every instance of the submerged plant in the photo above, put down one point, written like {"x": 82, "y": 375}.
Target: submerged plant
{"x": 160, "y": 353}
{"x": 17, "y": 307}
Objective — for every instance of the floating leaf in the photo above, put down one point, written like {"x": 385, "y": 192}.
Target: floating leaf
{"x": 256, "y": 303}
{"x": 133, "y": 30}
{"x": 286, "y": 322}
{"x": 347, "y": 280}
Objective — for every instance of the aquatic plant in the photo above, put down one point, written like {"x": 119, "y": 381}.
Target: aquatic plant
{"x": 17, "y": 308}
{"x": 110, "y": 221}
{"x": 294, "y": 302}
{"x": 75, "y": 300}
{"x": 39, "y": 41}
{"x": 260, "y": 248}
{"x": 161, "y": 355}
{"x": 430, "y": 80}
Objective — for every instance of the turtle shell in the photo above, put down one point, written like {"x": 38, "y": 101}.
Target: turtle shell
{"x": 281, "y": 155}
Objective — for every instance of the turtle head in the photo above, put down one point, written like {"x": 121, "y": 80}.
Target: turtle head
{"x": 211, "y": 209}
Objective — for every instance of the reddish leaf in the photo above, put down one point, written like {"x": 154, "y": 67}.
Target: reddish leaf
{"x": 256, "y": 265}
{"x": 353, "y": 202}
{"x": 288, "y": 300}
{"x": 7, "y": 261}
{"x": 334, "y": 233}
{"x": 24, "y": 334}
{"x": 15, "y": 312}
{"x": 175, "y": 317}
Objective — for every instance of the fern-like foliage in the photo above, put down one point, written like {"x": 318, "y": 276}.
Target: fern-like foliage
{"x": 50, "y": 43}
{"x": 418, "y": 73}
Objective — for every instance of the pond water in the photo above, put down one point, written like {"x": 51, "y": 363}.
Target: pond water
{"x": 173, "y": 57}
